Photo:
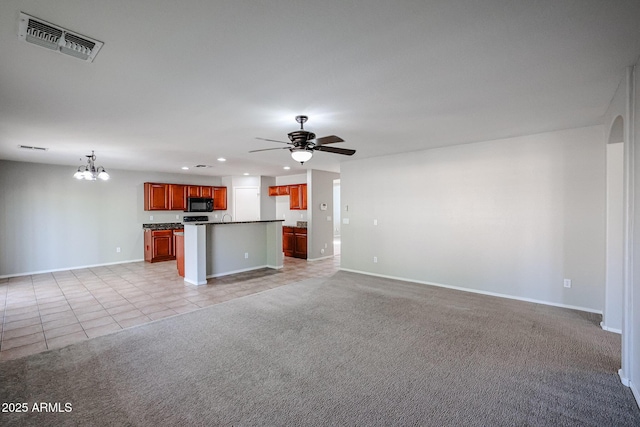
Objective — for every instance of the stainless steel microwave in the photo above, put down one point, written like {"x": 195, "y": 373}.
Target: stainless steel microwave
{"x": 199, "y": 204}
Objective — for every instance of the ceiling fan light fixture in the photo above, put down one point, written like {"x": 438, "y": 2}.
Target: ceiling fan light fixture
{"x": 301, "y": 155}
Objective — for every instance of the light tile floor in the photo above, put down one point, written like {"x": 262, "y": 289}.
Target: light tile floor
{"x": 52, "y": 310}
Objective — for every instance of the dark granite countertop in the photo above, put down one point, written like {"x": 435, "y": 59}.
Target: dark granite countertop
{"x": 164, "y": 226}
{"x": 232, "y": 222}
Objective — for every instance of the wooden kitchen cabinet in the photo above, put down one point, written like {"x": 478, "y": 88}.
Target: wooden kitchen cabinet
{"x": 298, "y": 197}
{"x": 288, "y": 241}
{"x": 177, "y": 197}
{"x": 206, "y": 191}
{"x": 173, "y": 197}
{"x": 156, "y": 197}
{"x": 303, "y": 197}
{"x": 178, "y": 245}
{"x": 301, "y": 243}
{"x": 194, "y": 191}
{"x": 158, "y": 245}
{"x": 279, "y": 190}
{"x": 219, "y": 198}
{"x": 294, "y": 242}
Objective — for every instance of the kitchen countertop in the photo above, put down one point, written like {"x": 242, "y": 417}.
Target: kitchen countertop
{"x": 180, "y": 225}
{"x": 164, "y": 226}
{"x": 231, "y": 222}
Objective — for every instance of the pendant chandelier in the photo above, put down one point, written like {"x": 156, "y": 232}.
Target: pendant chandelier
{"x": 89, "y": 171}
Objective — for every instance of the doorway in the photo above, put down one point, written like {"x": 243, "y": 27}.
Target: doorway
{"x": 246, "y": 204}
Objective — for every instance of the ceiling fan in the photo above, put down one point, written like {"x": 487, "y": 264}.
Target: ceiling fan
{"x": 303, "y": 143}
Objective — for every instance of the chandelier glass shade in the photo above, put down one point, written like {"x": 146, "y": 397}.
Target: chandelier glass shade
{"x": 89, "y": 171}
{"x": 301, "y": 155}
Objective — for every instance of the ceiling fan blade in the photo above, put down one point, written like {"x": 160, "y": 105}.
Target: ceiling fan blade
{"x": 273, "y": 140}
{"x": 345, "y": 151}
{"x": 331, "y": 139}
{"x": 268, "y": 149}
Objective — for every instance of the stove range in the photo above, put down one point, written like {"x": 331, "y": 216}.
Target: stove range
{"x": 201, "y": 218}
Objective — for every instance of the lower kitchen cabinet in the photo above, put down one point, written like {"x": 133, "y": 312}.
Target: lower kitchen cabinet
{"x": 159, "y": 245}
{"x": 294, "y": 242}
{"x": 178, "y": 240}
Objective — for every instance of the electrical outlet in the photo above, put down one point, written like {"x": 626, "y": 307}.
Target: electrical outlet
{"x": 118, "y": 249}
{"x": 328, "y": 217}
{"x": 567, "y": 283}
{"x": 177, "y": 216}
{"x": 150, "y": 217}
{"x": 375, "y": 222}
{"x": 375, "y": 259}
{"x": 326, "y": 246}
{"x": 345, "y": 221}
{"x": 246, "y": 255}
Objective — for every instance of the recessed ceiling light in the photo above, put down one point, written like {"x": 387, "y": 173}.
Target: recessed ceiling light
{"x": 185, "y": 168}
{"x": 287, "y": 167}
{"x": 222, "y": 159}
{"x": 246, "y": 173}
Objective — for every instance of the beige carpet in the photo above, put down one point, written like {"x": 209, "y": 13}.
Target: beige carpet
{"x": 348, "y": 350}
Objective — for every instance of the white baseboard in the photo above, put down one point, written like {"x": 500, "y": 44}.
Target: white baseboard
{"x": 606, "y": 328}
{"x": 623, "y": 379}
{"x": 476, "y": 291}
{"x": 80, "y": 267}
{"x": 635, "y": 392}
{"x": 321, "y": 258}
{"x": 226, "y": 273}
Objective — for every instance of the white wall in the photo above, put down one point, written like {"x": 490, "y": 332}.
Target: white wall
{"x": 320, "y": 232}
{"x": 50, "y": 221}
{"x": 632, "y": 322}
{"x": 336, "y": 207}
{"x": 512, "y": 217}
{"x": 267, "y": 204}
{"x": 612, "y": 316}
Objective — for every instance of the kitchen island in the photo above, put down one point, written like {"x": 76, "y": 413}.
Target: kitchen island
{"x": 214, "y": 249}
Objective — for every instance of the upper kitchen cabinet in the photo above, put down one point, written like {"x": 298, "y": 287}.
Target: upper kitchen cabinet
{"x": 173, "y": 197}
{"x": 206, "y": 191}
{"x": 156, "y": 197}
{"x": 177, "y": 198}
{"x": 279, "y": 190}
{"x": 298, "y": 197}
{"x": 194, "y": 191}
{"x": 219, "y": 198}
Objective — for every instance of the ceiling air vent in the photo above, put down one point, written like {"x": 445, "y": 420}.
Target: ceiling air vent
{"x": 29, "y": 147}
{"x": 50, "y": 36}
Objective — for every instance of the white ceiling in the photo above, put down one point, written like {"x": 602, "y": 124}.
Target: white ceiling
{"x": 185, "y": 82}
